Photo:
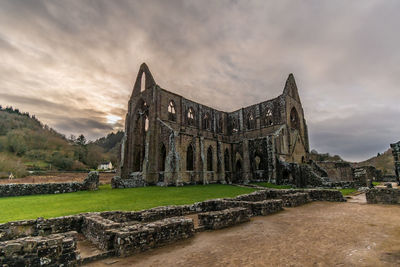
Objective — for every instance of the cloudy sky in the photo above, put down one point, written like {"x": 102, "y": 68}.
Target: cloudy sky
{"x": 73, "y": 63}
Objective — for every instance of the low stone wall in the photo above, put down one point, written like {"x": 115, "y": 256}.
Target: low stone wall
{"x": 383, "y": 196}
{"x": 296, "y": 199}
{"x": 39, "y": 227}
{"x": 220, "y": 219}
{"x": 137, "y": 238}
{"x": 52, "y": 250}
{"x": 260, "y": 208}
{"x": 12, "y": 190}
{"x": 325, "y": 195}
{"x": 95, "y": 228}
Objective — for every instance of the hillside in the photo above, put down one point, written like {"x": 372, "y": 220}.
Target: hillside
{"x": 383, "y": 162}
{"x": 27, "y": 144}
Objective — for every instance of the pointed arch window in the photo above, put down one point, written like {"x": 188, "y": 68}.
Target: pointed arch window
{"x": 171, "y": 111}
{"x": 189, "y": 158}
{"x": 209, "y": 159}
{"x": 268, "y": 118}
{"x": 227, "y": 161}
{"x": 251, "y": 122}
{"x": 146, "y": 123}
{"x": 294, "y": 119}
{"x": 143, "y": 82}
{"x": 220, "y": 125}
{"x": 163, "y": 156}
{"x": 206, "y": 122}
{"x": 190, "y": 116}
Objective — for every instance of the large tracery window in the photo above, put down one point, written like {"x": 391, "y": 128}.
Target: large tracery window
{"x": 190, "y": 116}
{"x": 294, "y": 119}
{"x": 171, "y": 111}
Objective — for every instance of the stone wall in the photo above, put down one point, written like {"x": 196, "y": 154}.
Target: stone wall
{"x": 137, "y": 238}
{"x": 337, "y": 171}
{"x": 296, "y": 199}
{"x": 127, "y": 232}
{"x": 220, "y": 219}
{"x": 52, "y": 250}
{"x": 91, "y": 182}
{"x": 396, "y": 155}
{"x": 259, "y": 208}
{"x": 39, "y": 227}
{"x": 383, "y": 196}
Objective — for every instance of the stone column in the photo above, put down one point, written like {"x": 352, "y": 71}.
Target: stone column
{"x": 246, "y": 162}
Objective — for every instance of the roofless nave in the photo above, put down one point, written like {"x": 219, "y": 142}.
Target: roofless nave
{"x": 173, "y": 140}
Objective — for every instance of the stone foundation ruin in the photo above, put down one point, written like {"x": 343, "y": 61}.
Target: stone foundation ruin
{"x": 91, "y": 182}
{"x": 52, "y": 242}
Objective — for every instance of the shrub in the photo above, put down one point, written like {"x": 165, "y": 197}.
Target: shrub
{"x": 9, "y": 164}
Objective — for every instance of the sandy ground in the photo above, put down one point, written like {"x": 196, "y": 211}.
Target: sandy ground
{"x": 62, "y": 177}
{"x": 316, "y": 234}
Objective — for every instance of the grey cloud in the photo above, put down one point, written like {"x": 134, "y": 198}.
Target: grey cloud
{"x": 78, "y": 59}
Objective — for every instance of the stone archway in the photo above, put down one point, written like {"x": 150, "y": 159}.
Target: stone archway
{"x": 238, "y": 171}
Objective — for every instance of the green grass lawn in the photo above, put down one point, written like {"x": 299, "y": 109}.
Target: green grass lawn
{"x": 106, "y": 199}
{"x": 269, "y": 185}
{"x": 347, "y": 191}
{"x": 376, "y": 183}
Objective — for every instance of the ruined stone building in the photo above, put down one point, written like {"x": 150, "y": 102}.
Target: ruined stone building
{"x": 173, "y": 140}
{"x": 396, "y": 154}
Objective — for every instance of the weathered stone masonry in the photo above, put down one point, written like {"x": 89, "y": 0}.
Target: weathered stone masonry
{"x": 396, "y": 154}
{"x": 171, "y": 140}
{"x": 53, "y": 242}
{"x": 91, "y": 182}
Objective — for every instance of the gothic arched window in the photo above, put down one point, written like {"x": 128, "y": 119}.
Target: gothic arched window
{"x": 143, "y": 82}
{"x": 251, "y": 122}
{"x": 206, "y": 122}
{"x": 294, "y": 119}
{"x": 209, "y": 159}
{"x": 189, "y": 158}
{"x": 268, "y": 118}
{"x": 171, "y": 111}
{"x": 190, "y": 116}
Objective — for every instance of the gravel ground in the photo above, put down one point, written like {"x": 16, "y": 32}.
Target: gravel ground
{"x": 316, "y": 234}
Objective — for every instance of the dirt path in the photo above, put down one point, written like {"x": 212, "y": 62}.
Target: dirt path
{"x": 316, "y": 234}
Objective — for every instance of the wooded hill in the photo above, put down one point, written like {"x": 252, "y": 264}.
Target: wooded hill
{"x": 27, "y": 144}
{"x": 382, "y": 161}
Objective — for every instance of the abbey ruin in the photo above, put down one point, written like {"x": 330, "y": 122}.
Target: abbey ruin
{"x": 173, "y": 140}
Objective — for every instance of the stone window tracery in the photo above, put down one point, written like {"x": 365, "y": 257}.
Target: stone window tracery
{"x": 268, "y": 118}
